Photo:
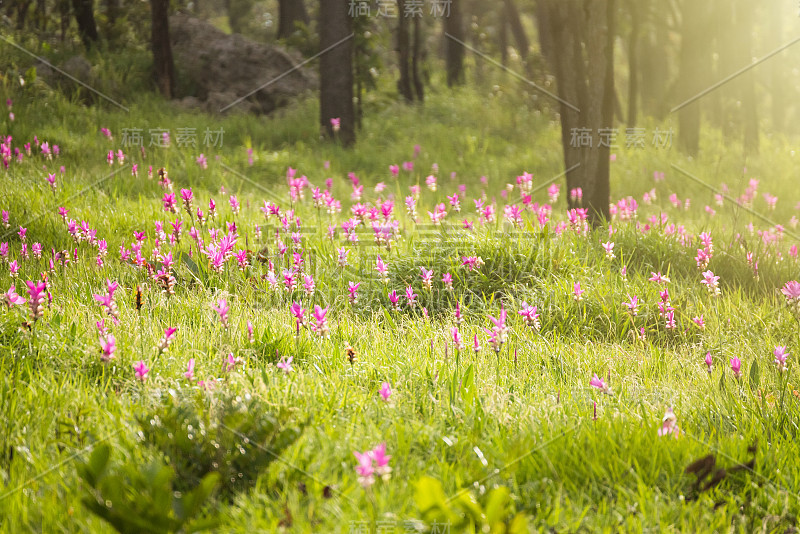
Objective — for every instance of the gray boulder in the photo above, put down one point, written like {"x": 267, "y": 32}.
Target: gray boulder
{"x": 231, "y": 73}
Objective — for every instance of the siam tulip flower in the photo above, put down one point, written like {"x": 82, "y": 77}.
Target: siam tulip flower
{"x": 51, "y": 179}
{"x": 108, "y": 345}
{"x": 599, "y": 384}
{"x": 791, "y": 290}
{"x": 222, "y": 309}
{"x": 170, "y": 204}
{"x": 711, "y": 282}
{"x": 552, "y": 193}
{"x": 336, "y": 124}
{"x": 353, "y": 289}
{"x": 736, "y": 367}
{"x": 576, "y": 195}
{"x": 471, "y": 262}
{"x": 320, "y": 325}
{"x": 308, "y": 284}
{"x": 395, "y": 170}
{"x": 108, "y": 301}
{"x": 609, "y": 248}
{"x": 499, "y": 332}
{"x": 670, "y": 316}
{"x": 669, "y": 425}
{"x": 189, "y": 374}
{"x": 632, "y": 305}
{"x": 430, "y": 181}
{"x": 110, "y": 157}
{"x": 382, "y": 468}
{"x": 285, "y": 364}
{"x": 700, "y": 322}
{"x": 186, "y": 197}
{"x": 781, "y": 354}
{"x": 393, "y": 298}
{"x": 385, "y": 391}
{"x": 447, "y": 280}
{"x": 169, "y": 335}
{"x": 202, "y": 162}
{"x": 234, "y": 202}
{"x": 120, "y": 157}
{"x": 380, "y": 266}
{"x": 476, "y": 346}
{"x": 230, "y": 363}
{"x": 10, "y": 298}
{"x": 411, "y": 296}
{"x": 709, "y": 361}
{"x": 141, "y": 370}
{"x": 427, "y": 277}
{"x": 578, "y": 291}
{"x": 457, "y": 341}
{"x": 658, "y": 278}
{"x": 135, "y": 170}
{"x": 13, "y": 268}
{"x": 366, "y": 473}
{"x": 530, "y": 315}
{"x": 250, "y": 336}
{"x": 343, "y": 252}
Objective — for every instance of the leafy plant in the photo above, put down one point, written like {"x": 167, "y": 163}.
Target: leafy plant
{"x": 233, "y": 436}
{"x": 135, "y": 498}
{"x": 463, "y": 512}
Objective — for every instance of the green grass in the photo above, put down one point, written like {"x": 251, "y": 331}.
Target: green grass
{"x": 522, "y": 419}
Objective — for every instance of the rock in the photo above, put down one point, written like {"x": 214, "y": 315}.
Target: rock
{"x": 226, "y": 68}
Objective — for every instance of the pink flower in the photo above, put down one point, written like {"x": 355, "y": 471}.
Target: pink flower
{"x": 36, "y": 293}
{"x": 285, "y": 364}
{"x": 382, "y": 468}
{"x": 609, "y": 248}
{"x": 385, "y": 391}
{"x": 320, "y": 325}
{"x": 476, "y": 346}
{"x": 711, "y": 282}
{"x": 222, "y": 309}
{"x": 700, "y": 322}
{"x": 141, "y": 370}
{"x": 380, "y": 266}
{"x": 530, "y": 315}
{"x": 202, "y": 162}
{"x": 658, "y": 278}
{"x": 781, "y": 354}
{"x": 411, "y": 296}
{"x": 169, "y": 334}
{"x": 189, "y": 374}
{"x": 736, "y": 366}
{"x": 577, "y": 291}
{"x": 10, "y": 297}
{"x": 599, "y": 384}
{"x": 669, "y": 425}
{"x": 231, "y": 362}
{"x": 709, "y": 361}
{"x": 353, "y": 289}
{"x": 632, "y": 305}
{"x": 250, "y": 336}
{"x": 108, "y": 345}
{"x": 366, "y": 473}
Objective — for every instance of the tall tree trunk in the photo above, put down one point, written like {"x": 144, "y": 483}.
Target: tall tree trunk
{"x": 777, "y": 66}
{"x": 84, "y": 16}
{"x": 63, "y": 8}
{"x": 579, "y": 43}
{"x": 41, "y": 15}
{"x": 416, "y": 55}
{"x": 502, "y": 15}
{"x": 289, "y": 12}
{"x": 515, "y": 22}
{"x": 695, "y": 61}
{"x": 336, "y": 71}
{"x": 633, "y": 63}
{"x": 454, "y": 50}
{"x": 163, "y": 66}
{"x": 404, "y": 54}
{"x": 745, "y": 21}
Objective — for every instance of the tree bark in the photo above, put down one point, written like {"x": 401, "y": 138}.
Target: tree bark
{"x": 454, "y": 50}
{"x": 289, "y": 12}
{"x": 633, "y": 63}
{"x": 163, "y": 66}
{"x": 515, "y": 22}
{"x": 336, "y": 71}
{"x": 84, "y": 16}
{"x": 404, "y": 54}
{"x": 579, "y": 43}
{"x": 695, "y": 63}
{"x": 416, "y": 54}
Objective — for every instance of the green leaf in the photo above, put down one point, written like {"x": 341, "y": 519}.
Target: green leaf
{"x": 430, "y": 497}
{"x": 755, "y": 376}
{"x": 496, "y": 506}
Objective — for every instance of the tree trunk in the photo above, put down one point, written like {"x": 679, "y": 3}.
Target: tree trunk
{"x": 416, "y": 54}
{"x": 454, "y": 50}
{"x": 289, "y": 12}
{"x": 503, "y": 35}
{"x": 336, "y": 71}
{"x": 41, "y": 15}
{"x": 777, "y": 78}
{"x": 163, "y": 66}
{"x": 63, "y": 8}
{"x": 579, "y": 43}
{"x": 404, "y": 54}
{"x": 633, "y": 63}
{"x": 515, "y": 22}
{"x": 695, "y": 62}
{"x": 746, "y": 18}
{"x": 84, "y": 16}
